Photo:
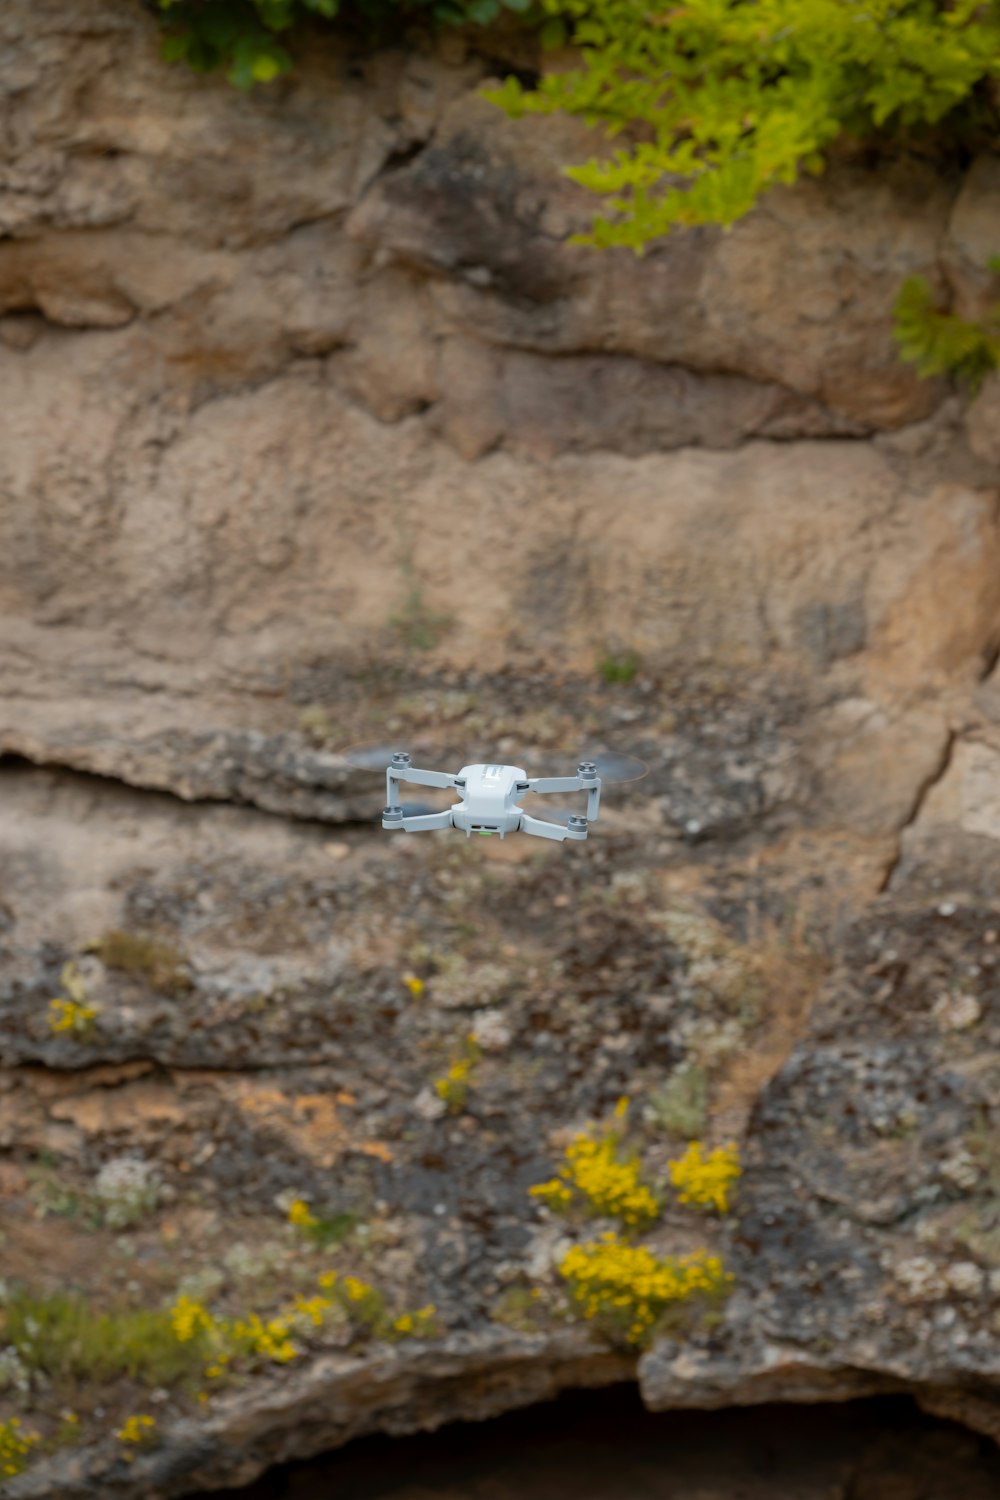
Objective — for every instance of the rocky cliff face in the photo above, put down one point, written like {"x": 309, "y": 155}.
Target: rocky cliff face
{"x": 316, "y": 427}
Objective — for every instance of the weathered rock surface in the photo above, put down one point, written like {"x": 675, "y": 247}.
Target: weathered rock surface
{"x": 316, "y": 428}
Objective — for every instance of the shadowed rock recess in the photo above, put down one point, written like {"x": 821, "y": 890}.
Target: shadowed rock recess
{"x": 316, "y": 428}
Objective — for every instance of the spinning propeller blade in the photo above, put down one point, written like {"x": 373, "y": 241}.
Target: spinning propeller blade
{"x": 613, "y": 766}
{"x": 371, "y": 757}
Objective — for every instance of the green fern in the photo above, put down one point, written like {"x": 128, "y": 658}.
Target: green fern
{"x": 939, "y": 343}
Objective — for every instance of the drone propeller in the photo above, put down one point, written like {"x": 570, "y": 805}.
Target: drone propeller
{"x": 371, "y": 757}
{"x": 614, "y": 766}
{"x": 611, "y": 765}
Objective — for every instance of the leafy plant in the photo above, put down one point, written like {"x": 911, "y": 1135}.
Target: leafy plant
{"x": 619, "y": 667}
{"x": 318, "y": 1230}
{"x": 680, "y": 1107}
{"x": 62, "y": 1336}
{"x": 242, "y": 36}
{"x": 722, "y": 99}
{"x": 161, "y": 965}
{"x": 939, "y": 343}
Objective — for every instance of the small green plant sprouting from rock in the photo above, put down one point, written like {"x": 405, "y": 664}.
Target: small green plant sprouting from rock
{"x": 619, "y": 666}
{"x": 160, "y": 964}
{"x": 73, "y": 1014}
{"x": 519, "y": 1307}
{"x": 62, "y": 1337}
{"x": 416, "y": 625}
{"x": 680, "y": 1107}
{"x": 939, "y": 343}
{"x": 318, "y": 1230}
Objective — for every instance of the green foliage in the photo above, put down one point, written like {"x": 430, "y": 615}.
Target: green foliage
{"x": 723, "y": 99}
{"x": 680, "y": 1107}
{"x": 60, "y": 1335}
{"x": 939, "y": 343}
{"x": 242, "y": 36}
{"x": 619, "y": 667}
{"x": 158, "y": 963}
{"x": 416, "y": 625}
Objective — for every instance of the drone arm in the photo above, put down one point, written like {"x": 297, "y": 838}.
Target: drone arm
{"x": 418, "y": 823}
{"x": 427, "y": 778}
{"x": 592, "y": 786}
{"x": 395, "y": 774}
{"x": 540, "y": 829}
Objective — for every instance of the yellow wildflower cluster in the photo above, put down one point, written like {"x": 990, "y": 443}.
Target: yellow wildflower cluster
{"x": 253, "y": 1335}
{"x": 225, "y": 1339}
{"x": 364, "y": 1304}
{"x": 15, "y": 1446}
{"x": 190, "y": 1318}
{"x": 606, "y": 1181}
{"x": 74, "y": 1014}
{"x": 136, "y": 1432}
{"x": 269, "y": 1338}
{"x": 300, "y": 1215}
{"x": 453, "y": 1088}
{"x": 631, "y": 1287}
{"x": 415, "y": 986}
{"x": 705, "y": 1180}
{"x": 68, "y": 1015}
{"x": 419, "y": 1324}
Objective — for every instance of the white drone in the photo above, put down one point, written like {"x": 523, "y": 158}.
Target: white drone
{"x": 490, "y": 794}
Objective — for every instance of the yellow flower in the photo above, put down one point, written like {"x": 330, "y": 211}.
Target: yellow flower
{"x": 632, "y": 1286}
{"x": 453, "y": 1088}
{"x": 300, "y": 1216}
{"x": 327, "y": 1280}
{"x": 15, "y": 1446}
{"x": 190, "y": 1318}
{"x": 313, "y": 1308}
{"x": 270, "y": 1340}
{"x": 136, "y": 1429}
{"x": 415, "y": 986}
{"x": 607, "y": 1183}
{"x": 417, "y": 1324}
{"x": 68, "y": 1015}
{"x": 705, "y": 1181}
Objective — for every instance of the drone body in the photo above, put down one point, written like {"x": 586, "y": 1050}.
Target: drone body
{"x": 489, "y": 799}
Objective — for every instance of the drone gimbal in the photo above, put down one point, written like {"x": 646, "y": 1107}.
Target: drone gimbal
{"x": 489, "y": 798}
